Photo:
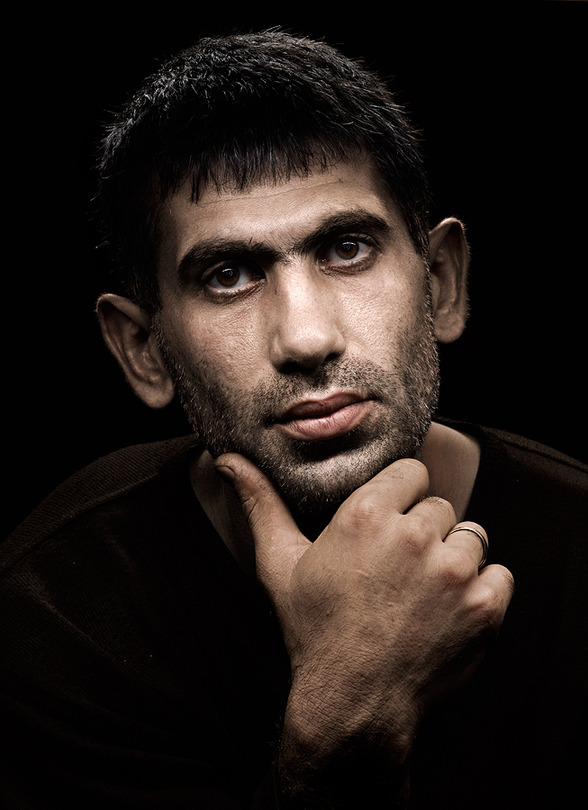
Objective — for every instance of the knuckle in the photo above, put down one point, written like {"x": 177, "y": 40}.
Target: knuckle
{"x": 249, "y": 504}
{"x": 415, "y": 529}
{"x": 254, "y": 513}
{"x": 442, "y": 508}
{"x": 415, "y": 534}
{"x": 455, "y": 568}
{"x": 362, "y": 511}
{"x": 509, "y": 581}
{"x": 487, "y": 606}
{"x": 419, "y": 528}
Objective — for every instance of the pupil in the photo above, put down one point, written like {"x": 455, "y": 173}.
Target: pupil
{"x": 228, "y": 276}
{"x": 348, "y": 250}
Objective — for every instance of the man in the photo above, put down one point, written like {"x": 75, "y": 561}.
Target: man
{"x": 293, "y": 608}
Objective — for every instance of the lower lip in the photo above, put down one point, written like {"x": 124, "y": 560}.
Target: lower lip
{"x": 330, "y": 426}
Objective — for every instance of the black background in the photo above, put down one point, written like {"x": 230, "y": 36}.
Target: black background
{"x": 500, "y": 94}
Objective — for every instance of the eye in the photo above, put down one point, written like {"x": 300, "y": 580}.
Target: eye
{"x": 231, "y": 277}
{"x": 347, "y": 250}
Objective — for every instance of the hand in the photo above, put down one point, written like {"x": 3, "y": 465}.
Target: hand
{"x": 381, "y": 615}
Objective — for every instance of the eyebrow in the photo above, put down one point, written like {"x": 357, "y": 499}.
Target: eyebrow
{"x": 207, "y": 252}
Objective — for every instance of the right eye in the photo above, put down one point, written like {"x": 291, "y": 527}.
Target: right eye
{"x": 232, "y": 277}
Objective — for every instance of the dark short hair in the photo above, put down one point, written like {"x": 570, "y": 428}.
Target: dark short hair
{"x": 237, "y": 110}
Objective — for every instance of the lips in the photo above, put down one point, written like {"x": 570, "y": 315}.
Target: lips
{"x": 326, "y": 418}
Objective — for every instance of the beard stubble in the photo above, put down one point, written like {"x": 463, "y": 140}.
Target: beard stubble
{"x": 315, "y": 476}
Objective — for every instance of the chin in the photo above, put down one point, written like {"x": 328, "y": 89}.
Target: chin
{"x": 321, "y": 484}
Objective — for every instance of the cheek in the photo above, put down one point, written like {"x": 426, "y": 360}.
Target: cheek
{"x": 382, "y": 316}
{"x": 225, "y": 352}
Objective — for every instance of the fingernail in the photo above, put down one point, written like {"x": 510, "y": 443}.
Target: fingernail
{"x": 227, "y": 473}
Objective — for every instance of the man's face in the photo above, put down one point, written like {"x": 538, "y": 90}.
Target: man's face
{"x": 296, "y": 324}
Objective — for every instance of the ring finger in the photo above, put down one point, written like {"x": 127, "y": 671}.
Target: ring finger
{"x": 473, "y": 538}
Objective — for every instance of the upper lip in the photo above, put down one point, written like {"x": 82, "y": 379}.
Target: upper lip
{"x": 313, "y": 408}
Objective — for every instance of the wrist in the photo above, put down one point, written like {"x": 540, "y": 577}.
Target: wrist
{"x": 328, "y": 716}
{"x": 338, "y": 751}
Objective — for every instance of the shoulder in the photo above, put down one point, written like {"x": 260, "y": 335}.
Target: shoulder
{"x": 508, "y": 453}
{"x": 521, "y": 482}
{"x": 533, "y": 459}
{"x": 104, "y": 481}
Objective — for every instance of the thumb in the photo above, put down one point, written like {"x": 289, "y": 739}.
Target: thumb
{"x": 279, "y": 543}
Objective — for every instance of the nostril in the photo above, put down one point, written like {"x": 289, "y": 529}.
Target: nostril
{"x": 307, "y": 343}
{"x": 306, "y": 364}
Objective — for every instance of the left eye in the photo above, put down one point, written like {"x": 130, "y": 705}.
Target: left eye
{"x": 347, "y": 250}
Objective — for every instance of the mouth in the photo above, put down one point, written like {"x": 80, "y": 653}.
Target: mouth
{"x": 315, "y": 420}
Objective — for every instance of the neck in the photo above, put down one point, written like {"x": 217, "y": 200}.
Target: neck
{"x": 451, "y": 458}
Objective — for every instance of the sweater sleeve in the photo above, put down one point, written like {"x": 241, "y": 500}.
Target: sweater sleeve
{"x": 138, "y": 666}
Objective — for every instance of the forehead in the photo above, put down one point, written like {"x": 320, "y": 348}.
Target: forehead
{"x": 273, "y": 213}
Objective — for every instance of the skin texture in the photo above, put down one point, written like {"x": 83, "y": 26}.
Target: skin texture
{"x": 302, "y": 322}
{"x": 313, "y": 324}
{"x": 299, "y": 326}
{"x": 383, "y": 616}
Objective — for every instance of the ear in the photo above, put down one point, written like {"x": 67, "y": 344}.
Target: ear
{"x": 449, "y": 259}
{"x": 126, "y": 328}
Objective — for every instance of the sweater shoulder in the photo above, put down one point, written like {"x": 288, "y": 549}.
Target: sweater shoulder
{"x": 110, "y": 477}
{"x": 541, "y": 460}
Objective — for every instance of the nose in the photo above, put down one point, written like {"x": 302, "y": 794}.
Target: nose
{"x": 305, "y": 330}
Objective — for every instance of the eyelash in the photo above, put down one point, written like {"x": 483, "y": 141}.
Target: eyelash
{"x": 343, "y": 265}
{"x": 352, "y": 262}
{"x": 237, "y": 265}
